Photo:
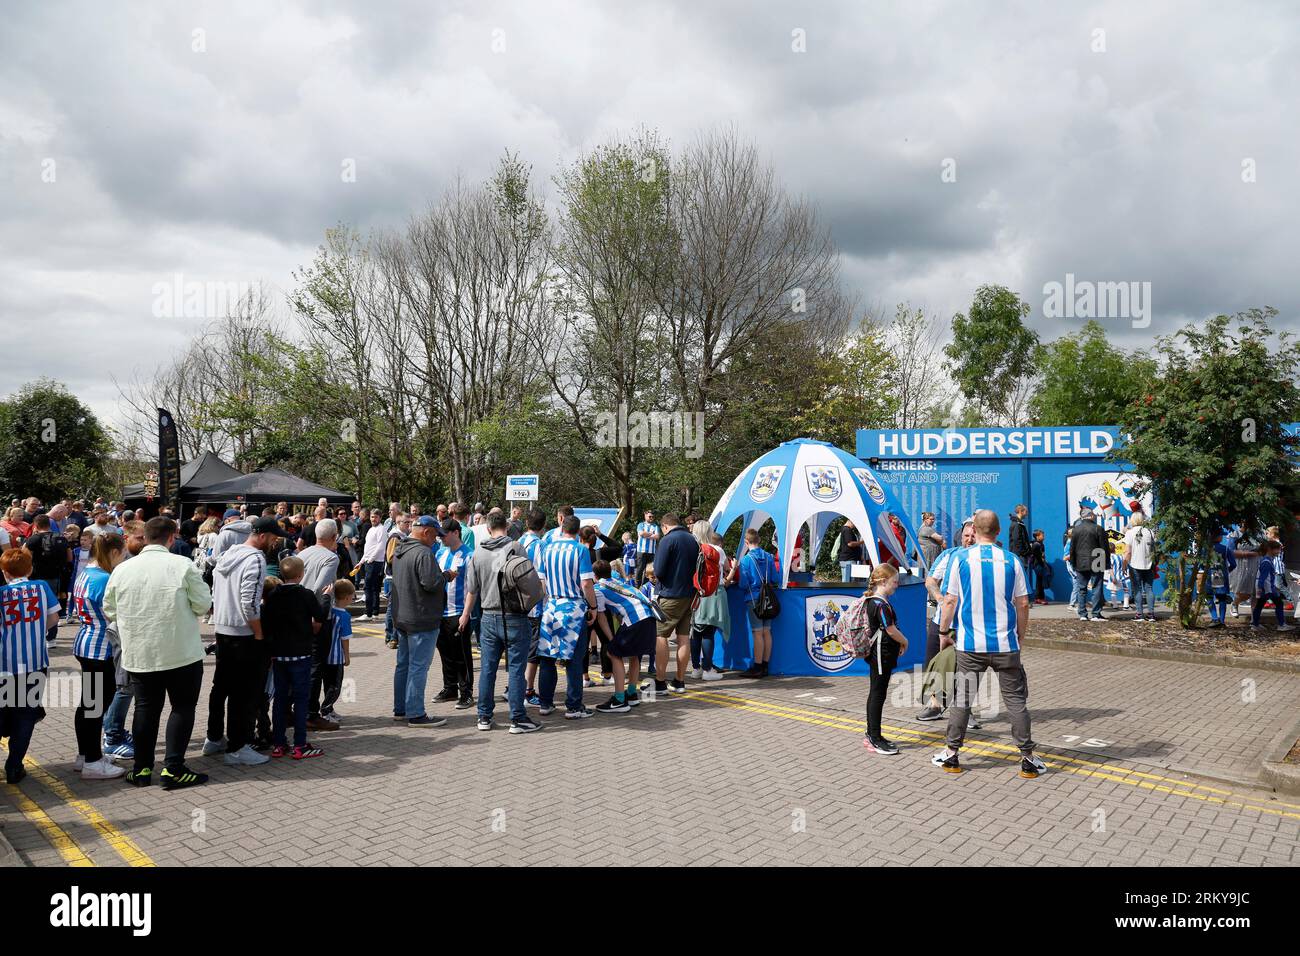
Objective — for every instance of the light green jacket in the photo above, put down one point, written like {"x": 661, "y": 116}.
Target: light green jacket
{"x": 156, "y": 599}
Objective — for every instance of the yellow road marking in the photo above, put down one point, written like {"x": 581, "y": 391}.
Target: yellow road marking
{"x": 1108, "y": 768}
{"x": 55, "y": 834}
{"x": 995, "y": 750}
{"x": 122, "y": 845}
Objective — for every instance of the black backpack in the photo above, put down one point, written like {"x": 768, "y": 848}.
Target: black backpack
{"x": 768, "y": 603}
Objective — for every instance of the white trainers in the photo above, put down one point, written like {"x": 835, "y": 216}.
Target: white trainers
{"x": 102, "y": 769}
{"x": 79, "y": 762}
{"x": 695, "y": 673}
{"x": 1285, "y": 627}
{"x": 213, "y": 747}
{"x": 711, "y": 675}
{"x": 246, "y": 756}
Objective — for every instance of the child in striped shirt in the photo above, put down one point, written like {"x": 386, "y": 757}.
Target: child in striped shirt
{"x": 340, "y": 625}
{"x": 27, "y": 610}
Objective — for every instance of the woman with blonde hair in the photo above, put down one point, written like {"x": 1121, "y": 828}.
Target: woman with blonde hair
{"x": 887, "y": 645}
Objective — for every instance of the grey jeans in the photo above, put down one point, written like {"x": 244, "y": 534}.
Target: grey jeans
{"x": 1015, "y": 692}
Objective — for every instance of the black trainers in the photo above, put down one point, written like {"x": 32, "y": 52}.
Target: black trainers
{"x": 632, "y": 697}
{"x": 15, "y": 777}
{"x": 139, "y": 778}
{"x": 613, "y": 706}
{"x": 465, "y": 703}
{"x": 879, "y": 745}
{"x": 947, "y": 760}
{"x": 525, "y": 726}
{"x": 444, "y": 696}
{"x": 1031, "y": 767}
{"x": 677, "y": 686}
{"x": 755, "y": 671}
{"x": 185, "y": 777}
{"x": 661, "y": 687}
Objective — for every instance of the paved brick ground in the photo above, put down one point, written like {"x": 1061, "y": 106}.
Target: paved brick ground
{"x": 738, "y": 772}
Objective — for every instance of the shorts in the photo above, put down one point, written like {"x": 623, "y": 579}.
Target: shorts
{"x": 677, "y": 615}
{"x": 755, "y": 621}
{"x": 635, "y": 640}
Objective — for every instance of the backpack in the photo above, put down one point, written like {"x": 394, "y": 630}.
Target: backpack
{"x": 708, "y": 571}
{"x": 768, "y": 603}
{"x": 519, "y": 584}
{"x": 853, "y": 629}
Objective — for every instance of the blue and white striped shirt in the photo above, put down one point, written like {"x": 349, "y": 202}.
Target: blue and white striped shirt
{"x": 937, "y": 571}
{"x": 986, "y": 581}
{"x": 457, "y": 561}
{"x": 25, "y": 606}
{"x": 646, "y": 545}
{"x": 342, "y": 631}
{"x": 533, "y": 546}
{"x": 566, "y": 563}
{"x": 630, "y": 604}
{"x": 88, "y": 606}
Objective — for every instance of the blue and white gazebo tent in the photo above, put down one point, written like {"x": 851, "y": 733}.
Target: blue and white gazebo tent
{"x": 806, "y": 482}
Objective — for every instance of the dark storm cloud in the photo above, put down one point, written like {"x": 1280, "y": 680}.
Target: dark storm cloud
{"x": 226, "y": 164}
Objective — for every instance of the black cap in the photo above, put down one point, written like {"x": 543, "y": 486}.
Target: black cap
{"x": 268, "y": 525}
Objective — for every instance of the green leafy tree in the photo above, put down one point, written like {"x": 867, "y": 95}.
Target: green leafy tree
{"x": 54, "y": 447}
{"x": 1209, "y": 436}
{"x": 1085, "y": 380}
{"x": 992, "y": 352}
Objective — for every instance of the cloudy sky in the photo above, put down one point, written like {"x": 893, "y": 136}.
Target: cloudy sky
{"x": 1113, "y": 141}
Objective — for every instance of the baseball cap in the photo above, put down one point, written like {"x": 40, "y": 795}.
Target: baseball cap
{"x": 268, "y": 525}
{"x": 230, "y": 513}
{"x": 428, "y": 521}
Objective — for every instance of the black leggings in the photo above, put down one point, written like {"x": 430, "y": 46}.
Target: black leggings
{"x": 606, "y": 665}
{"x": 876, "y": 697}
{"x": 98, "y": 685}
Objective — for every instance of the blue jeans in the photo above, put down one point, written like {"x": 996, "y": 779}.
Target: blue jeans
{"x": 115, "y": 716}
{"x": 390, "y": 630}
{"x": 414, "y": 655}
{"x": 292, "y": 680}
{"x": 1091, "y": 593}
{"x": 702, "y": 646}
{"x": 548, "y": 677}
{"x": 511, "y": 636}
{"x": 1143, "y": 590}
{"x": 846, "y": 571}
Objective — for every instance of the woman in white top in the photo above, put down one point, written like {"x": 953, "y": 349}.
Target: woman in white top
{"x": 1139, "y": 561}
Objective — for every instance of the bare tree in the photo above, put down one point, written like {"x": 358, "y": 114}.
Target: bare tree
{"x": 476, "y": 283}
{"x": 921, "y": 383}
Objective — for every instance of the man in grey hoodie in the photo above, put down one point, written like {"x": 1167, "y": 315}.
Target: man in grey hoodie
{"x": 418, "y": 597}
{"x": 236, "y": 614}
{"x": 235, "y": 530}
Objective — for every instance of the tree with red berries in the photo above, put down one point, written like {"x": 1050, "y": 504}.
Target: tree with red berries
{"x": 1209, "y": 436}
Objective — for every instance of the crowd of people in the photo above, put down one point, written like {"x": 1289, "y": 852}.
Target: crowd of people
{"x": 277, "y": 588}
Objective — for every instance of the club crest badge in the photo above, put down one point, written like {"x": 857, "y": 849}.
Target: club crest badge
{"x": 766, "y": 481}
{"x": 823, "y": 481}
{"x": 823, "y": 646}
{"x": 872, "y": 486}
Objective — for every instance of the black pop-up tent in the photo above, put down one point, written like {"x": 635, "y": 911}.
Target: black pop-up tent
{"x": 267, "y": 487}
{"x": 207, "y": 469}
